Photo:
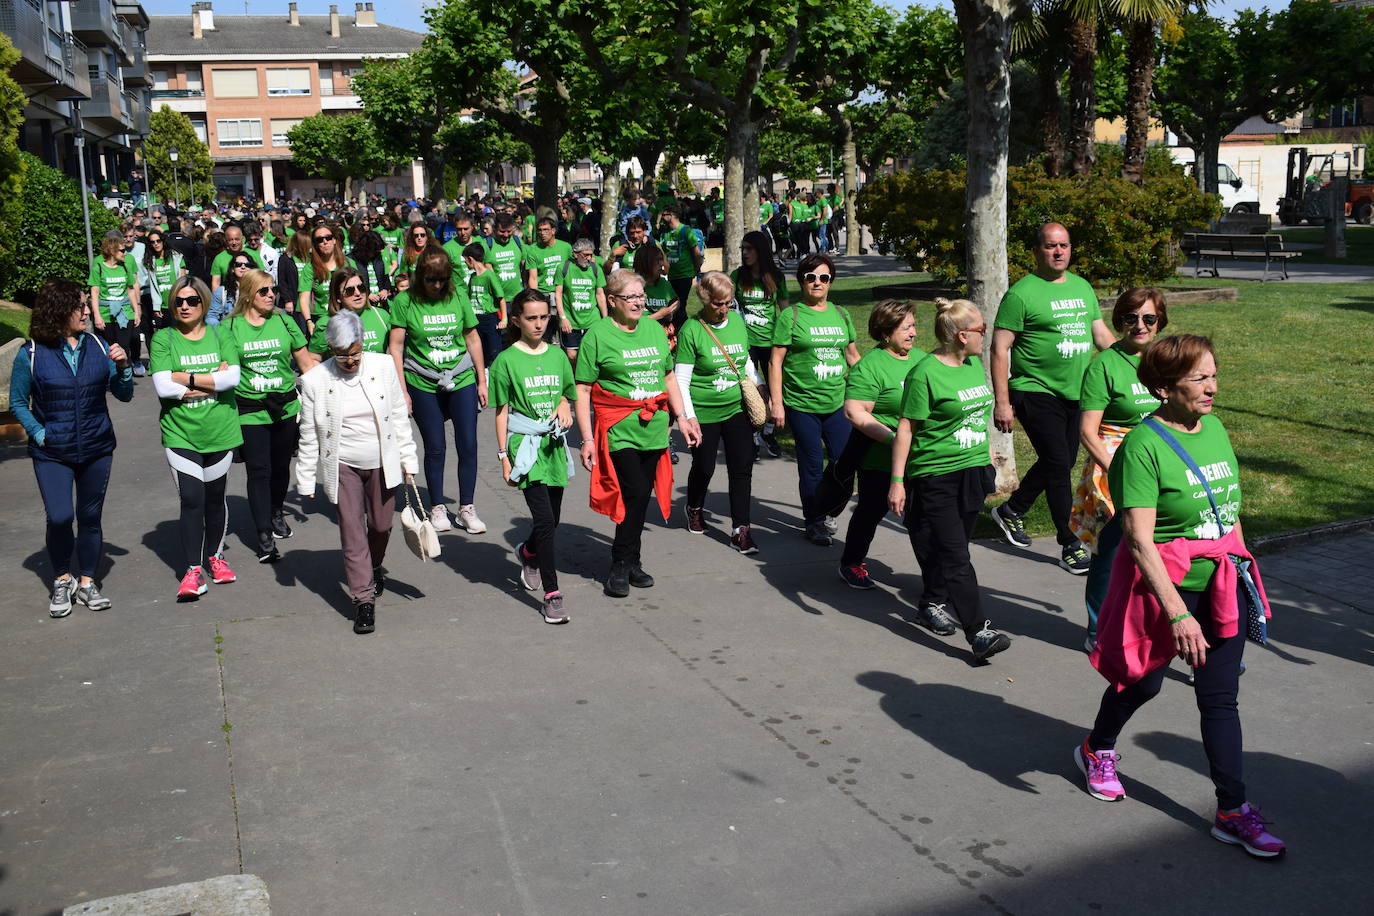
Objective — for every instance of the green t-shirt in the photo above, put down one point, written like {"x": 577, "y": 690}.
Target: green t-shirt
{"x": 265, "y": 365}
{"x": 434, "y": 336}
{"x": 657, "y": 295}
{"x": 1145, "y": 473}
{"x": 376, "y": 327}
{"x": 714, "y": 386}
{"x": 319, "y": 290}
{"x": 164, "y": 273}
{"x": 461, "y": 271}
{"x": 627, "y": 260}
{"x": 207, "y": 424}
{"x": 759, "y": 308}
{"x": 1113, "y": 386}
{"x": 1054, "y": 333}
{"x": 220, "y": 267}
{"x": 532, "y": 384}
{"x": 483, "y": 290}
{"x": 813, "y": 368}
{"x": 836, "y": 205}
{"x": 678, "y": 246}
{"x": 800, "y": 212}
{"x": 880, "y": 377}
{"x": 579, "y": 287}
{"x": 506, "y": 259}
{"x": 114, "y": 282}
{"x": 547, "y": 261}
{"x": 394, "y": 238}
{"x": 948, "y": 407}
{"x": 718, "y": 210}
{"x": 632, "y": 364}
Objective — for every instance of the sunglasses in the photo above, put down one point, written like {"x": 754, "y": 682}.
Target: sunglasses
{"x": 1131, "y": 318}
{"x": 435, "y": 280}
{"x": 420, "y": 235}
{"x": 240, "y": 265}
{"x": 353, "y": 289}
{"x": 269, "y": 290}
{"x": 324, "y": 238}
{"x": 188, "y": 302}
{"x": 812, "y": 278}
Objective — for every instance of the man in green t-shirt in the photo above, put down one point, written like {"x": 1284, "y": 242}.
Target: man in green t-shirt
{"x": 623, "y": 250}
{"x": 581, "y": 296}
{"x": 219, "y": 270}
{"x": 1046, "y": 328}
{"x": 544, "y": 258}
{"x": 505, "y": 252}
{"x": 456, "y": 246}
{"x": 680, "y": 247}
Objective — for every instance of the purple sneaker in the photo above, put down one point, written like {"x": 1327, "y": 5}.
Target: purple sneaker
{"x": 1099, "y": 769}
{"x": 1246, "y": 828}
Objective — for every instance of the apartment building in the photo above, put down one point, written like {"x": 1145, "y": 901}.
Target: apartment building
{"x": 244, "y": 81}
{"x": 83, "y": 66}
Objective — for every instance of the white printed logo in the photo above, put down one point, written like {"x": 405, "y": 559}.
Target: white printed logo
{"x": 824, "y": 372}
{"x": 439, "y": 357}
{"x": 725, "y": 382}
{"x": 1069, "y": 348}
{"x": 968, "y": 437}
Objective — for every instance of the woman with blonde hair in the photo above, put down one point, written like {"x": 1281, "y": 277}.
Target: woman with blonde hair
{"x": 942, "y": 469}
{"x": 296, "y": 263}
{"x": 114, "y": 286}
{"x": 267, "y": 343}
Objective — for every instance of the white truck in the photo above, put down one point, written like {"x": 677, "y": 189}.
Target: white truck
{"x": 1236, "y": 195}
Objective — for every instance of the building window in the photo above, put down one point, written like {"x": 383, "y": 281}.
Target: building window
{"x": 160, "y": 80}
{"x": 239, "y": 132}
{"x": 234, "y": 84}
{"x": 195, "y": 79}
{"x": 199, "y": 127}
{"x": 280, "y": 128}
{"x": 1346, "y": 115}
{"x": 295, "y": 81}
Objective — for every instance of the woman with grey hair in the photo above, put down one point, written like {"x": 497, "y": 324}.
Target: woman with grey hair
{"x": 356, "y": 442}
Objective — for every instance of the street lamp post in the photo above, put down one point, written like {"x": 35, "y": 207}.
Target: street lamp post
{"x": 172, "y": 154}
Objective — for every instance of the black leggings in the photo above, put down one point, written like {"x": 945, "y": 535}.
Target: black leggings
{"x": 1051, "y": 425}
{"x": 267, "y": 451}
{"x": 201, "y": 479}
{"x": 738, "y": 434}
{"x": 546, "y": 509}
{"x": 868, "y": 515}
{"x": 939, "y": 520}
{"x": 634, "y": 469}
{"x": 126, "y": 337}
{"x": 1216, "y": 685}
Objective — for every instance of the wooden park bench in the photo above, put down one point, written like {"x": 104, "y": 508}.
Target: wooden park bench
{"x": 1213, "y": 245}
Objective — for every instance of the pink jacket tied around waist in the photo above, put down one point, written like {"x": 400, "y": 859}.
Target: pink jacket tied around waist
{"x": 1134, "y": 637}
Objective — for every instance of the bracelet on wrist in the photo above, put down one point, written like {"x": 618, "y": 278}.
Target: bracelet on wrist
{"x": 897, "y": 478}
{"x": 1184, "y": 616}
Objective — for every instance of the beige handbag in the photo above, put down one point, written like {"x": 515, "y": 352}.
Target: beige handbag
{"x": 754, "y": 407}
{"x": 420, "y": 535}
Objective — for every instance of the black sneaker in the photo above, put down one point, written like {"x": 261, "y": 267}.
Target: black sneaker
{"x": 618, "y": 581}
{"x": 638, "y": 577}
{"x": 1075, "y": 559}
{"x": 1013, "y": 527}
{"x": 378, "y": 582}
{"x": 280, "y": 530}
{"x": 770, "y": 442}
{"x": 935, "y": 618}
{"x": 987, "y": 642}
{"x": 267, "y": 548}
{"x": 364, "y": 618}
{"x": 817, "y": 533}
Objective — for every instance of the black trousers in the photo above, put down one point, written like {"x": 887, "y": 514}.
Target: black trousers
{"x": 1216, "y": 685}
{"x": 1051, "y": 424}
{"x": 868, "y": 514}
{"x": 940, "y": 512}
{"x": 267, "y": 452}
{"x": 738, "y": 435}
{"x": 634, "y": 469}
{"x": 126, "y": 337}
{"x": 546, "y": 509}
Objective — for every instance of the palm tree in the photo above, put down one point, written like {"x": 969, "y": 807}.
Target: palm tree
{"x": 1143, "y": 18}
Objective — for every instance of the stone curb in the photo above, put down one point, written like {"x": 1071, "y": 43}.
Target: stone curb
{"x": 1276, "y": 543}
{"x": 228, "y": 895}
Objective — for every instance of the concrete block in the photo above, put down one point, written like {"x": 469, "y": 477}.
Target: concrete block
{"x": 228, "y": 895}
{"x": 7, "y": 351}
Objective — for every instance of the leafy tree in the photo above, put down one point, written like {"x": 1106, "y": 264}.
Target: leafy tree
{"x": 944, "y": 139}
{"x": 12, "y": 102}
{"x": 479, "y": 145}
{"x": 410, "y": 117}
{"x": 797, "y": 145}
{"x": 339, "y": 147}
{"x": 168, "y": 129}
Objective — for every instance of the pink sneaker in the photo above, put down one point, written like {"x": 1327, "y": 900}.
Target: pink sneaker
{"x": 1246, "y": 828}
{"x": 220, "y": 571}
{"x": 1099, "y": 769}
{"x": 192, "y": 584}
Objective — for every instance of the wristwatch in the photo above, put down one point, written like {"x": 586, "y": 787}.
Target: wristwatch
{"x": 501, "y": 454}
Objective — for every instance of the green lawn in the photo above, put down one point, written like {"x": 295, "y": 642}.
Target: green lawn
{"x": 14, "y": 322}
{"x": 1359, "y": 244}
{"x": 1295, "y": 361}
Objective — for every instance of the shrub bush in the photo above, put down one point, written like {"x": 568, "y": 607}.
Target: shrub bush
{"x": 1123, "y": 234}
{"x": 49, "y": 238}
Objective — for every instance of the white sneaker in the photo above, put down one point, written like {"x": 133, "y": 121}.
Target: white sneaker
{"x": 832, "y": 524}
{"x": 438, "y": 517}
{"x": 467, "y": 517}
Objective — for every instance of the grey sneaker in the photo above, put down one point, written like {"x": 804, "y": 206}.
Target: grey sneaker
{"x": 1013, "y": 527}
{"x": 1075, "y": 559}
{"x": 832, "y": 524}
{"x": 90, "y": 596}
{"x": 935, "y": 618}
{"x": 987, "y": 642}
{"x": 61, "y": 603}
{"x": 553, "y": 608}
{"x": 467, "y": 517}
{"x": 818, "y": 534}
{"x": 530, "y": 576}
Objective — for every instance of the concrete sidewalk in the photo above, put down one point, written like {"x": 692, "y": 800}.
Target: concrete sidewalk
{"x": 748, "y": 736}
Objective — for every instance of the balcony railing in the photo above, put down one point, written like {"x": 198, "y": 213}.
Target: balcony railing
{"x": 178, "y": 93}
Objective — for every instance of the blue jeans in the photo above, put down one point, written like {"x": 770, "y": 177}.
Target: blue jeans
{"x": 1100, "y": 572}
{"x": 219, "y": 307}
{"x": 490, "y": 335}
{"x": 431, "y": 410}
{"x": 821, "y": 236}
{"x": 817, "y": 435}
{"x": 57, "y": 480}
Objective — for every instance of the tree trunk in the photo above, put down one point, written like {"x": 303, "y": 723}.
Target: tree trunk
{"x": 739, "y": 132}
{"x": 986, "y": 25}
{"x": 1207, "y": 158}
{"x": 1051, "y": 119}
{"x": 1082, "y": 43}
{"x": 1140, "y": 76}
{"x": 610, "y": 197}
{"x": 435, "y": 162}
{"x": 850, "y": 156}
{"x": 750, "y": 200}
{"x": 546, "y": 167}
{"x": 648, "y": 157}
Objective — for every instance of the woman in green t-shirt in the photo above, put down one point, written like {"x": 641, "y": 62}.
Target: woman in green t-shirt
{"x": 267, "y": 343}
{"x": 661, "y": 301}
{"x": 531, "y": 387}
{"x": 813, "y": 345}
{"x": 348, "y": 292}
{"x": 434, "y": 342}
{"x": 709, "y": 381}
{"x": 942, "y": 470}
{"x": 761, "y": 289}
{"x": 195, "y": 369}
{"x": 326, "y": 256}
{"x": 873, "y": 405}
{"x": 160, "y": 269}
{"x": 1113, "y": 402}
{"x": 113, "y": 281}
{"x": 1169, "y": 608}
{"x": 418, "y": 240}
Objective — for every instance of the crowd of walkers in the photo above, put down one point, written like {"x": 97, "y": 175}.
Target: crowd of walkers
{"x": 308, "y": 337}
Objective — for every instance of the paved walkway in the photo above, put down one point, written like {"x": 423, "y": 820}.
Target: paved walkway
{"x": 1298, "y": 272}
{"x": 749, "y": 736}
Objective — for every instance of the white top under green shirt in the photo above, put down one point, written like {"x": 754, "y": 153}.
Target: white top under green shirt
{"x": 202, "y": 424}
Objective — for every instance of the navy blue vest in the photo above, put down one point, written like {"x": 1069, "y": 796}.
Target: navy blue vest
{"x": 72, "y": 407}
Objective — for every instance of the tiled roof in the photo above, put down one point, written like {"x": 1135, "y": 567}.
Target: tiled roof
{"x": 275, "y": 35}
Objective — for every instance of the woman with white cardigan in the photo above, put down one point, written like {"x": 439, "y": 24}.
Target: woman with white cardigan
{"x": 356, "y": 441}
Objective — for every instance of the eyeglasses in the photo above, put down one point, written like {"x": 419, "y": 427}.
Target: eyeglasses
{"x": 348, "y": 357}
{"x": 981, "y": 329}
{"x": 639, "y": 297}
{"x": 1131, "y": 318}
{"x": 188, "y": 302}
{"x": 324, "y": 238}
{"x": 269, "y": 290}
{"x": 722, "y": 303}
{"x": 353, "y": 289}
{"x": 812, "y": 278}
